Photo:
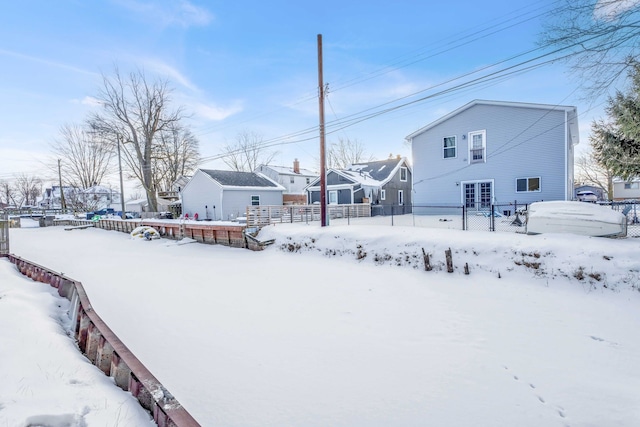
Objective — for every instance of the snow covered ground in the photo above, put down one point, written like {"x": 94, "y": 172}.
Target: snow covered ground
{"x": 342, "y": 326}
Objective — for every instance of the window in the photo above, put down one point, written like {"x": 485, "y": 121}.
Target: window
{"x": 403, "y": 174}
{"x": 308, "y": 180}
{"x": 477, "y": 147}
{"x": 255, "y": 200}
{"x": 383, "y": 194}
{"x": 400, "y": 197}
{"x": 631, "y": 185}
{"x": 333, "y": 197}
{"x": 292, "y": 180}
{"x": 449, "y": 147}
{"x": 527, "y": 184}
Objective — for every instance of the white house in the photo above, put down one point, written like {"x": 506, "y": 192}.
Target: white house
{"x": 495, "y": 152}
{"x": 293, "y": 179}
{"x": 626, "y": 190}
{"x": 225, "y": 195}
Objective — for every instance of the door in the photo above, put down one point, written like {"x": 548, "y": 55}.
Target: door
{"x": 477, "y": 195}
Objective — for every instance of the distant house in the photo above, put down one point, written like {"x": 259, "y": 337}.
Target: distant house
{"x": 225, "y": 195}
{"x": 99, "y": 197}
{"x": 293, "y": 179}
{"x": 495, "y": 152}
{"x": 626, "y": 190}
{"x": 382, "y": 183}
{"x": 51, "y": 198}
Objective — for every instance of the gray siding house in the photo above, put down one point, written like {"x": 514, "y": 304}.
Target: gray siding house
{"x": 225, "y": 195}
{"x": 381, "y": 183}
{"x": 495, "y": 152}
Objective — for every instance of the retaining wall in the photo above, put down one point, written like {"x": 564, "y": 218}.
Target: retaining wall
{"x": 203, "y": 232}
{"x": 105, "y": 350}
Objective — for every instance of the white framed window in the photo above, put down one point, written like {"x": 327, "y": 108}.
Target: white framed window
{"x": 449, "y": 150}
{"x": 525, "y": 185}
{"x": 401, "y": 197}
{"x": 478, "y": 146}
{"x": 333, "y": 197}
{"x": 631, "y": 185}
{"x": 292, "y": 179}
{"x": 308, "y": 180}
{"x": 383, "y": 194}
{"x": 255, "y": 200}
{"x": 403, "y": 174}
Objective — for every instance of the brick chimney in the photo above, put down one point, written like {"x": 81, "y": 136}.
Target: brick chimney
{"x": 296, "y": 166}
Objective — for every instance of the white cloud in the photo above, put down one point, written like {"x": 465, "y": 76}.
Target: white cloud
{"x": 214, "y": 112}
{"x": 169, "y": 13}
{"x": 170, "y": 72}
{"x": 610, "y": 10}
{"x": 87, "y": 100}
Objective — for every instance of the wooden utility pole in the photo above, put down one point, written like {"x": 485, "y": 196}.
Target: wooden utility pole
{"x": 323, "y": 173}
{"x": 63, "y": 204}
{"x": 122, "y": 214}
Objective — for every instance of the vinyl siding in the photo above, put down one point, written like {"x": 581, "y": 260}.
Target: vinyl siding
{"x": 520, "y": 143}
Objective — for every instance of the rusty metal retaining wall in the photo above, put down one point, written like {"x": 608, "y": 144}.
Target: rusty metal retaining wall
{"x": 203, "y": 232}
{"x": 105, "y": 350}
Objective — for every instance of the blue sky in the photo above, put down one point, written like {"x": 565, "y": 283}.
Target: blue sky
{"x": 248, "y": 65}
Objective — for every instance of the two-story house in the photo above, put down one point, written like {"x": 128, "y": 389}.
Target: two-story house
{"x": 293, "y": 179}
{"x": 495, "y": 152}
{"x": 385, "y": 184}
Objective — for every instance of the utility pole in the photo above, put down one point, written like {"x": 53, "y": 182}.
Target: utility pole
{"x": 122, "y": 214}
{"x": 63, "y": 204}
{"x": 323, "y": 174}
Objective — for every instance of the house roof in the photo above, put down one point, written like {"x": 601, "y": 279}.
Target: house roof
{"x": 288, "y": 170}
{"x": 241, "y": 179}
{"x": 375, "y": 173}
{"x": 573, "y": 122}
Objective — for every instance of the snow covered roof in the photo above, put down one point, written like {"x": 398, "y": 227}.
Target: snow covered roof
{"x": 288, "y": 170}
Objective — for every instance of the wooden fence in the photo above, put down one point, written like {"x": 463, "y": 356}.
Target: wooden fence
{"x": 258, "y": 216}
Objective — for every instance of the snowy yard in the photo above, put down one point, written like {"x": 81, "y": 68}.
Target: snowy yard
{"x": 342, "y": 326}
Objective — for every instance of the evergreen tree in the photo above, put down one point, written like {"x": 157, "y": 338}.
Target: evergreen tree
{"x": 616, "y": 142}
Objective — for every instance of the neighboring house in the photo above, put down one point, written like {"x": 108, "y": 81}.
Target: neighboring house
{"x": 495, "y": 152}
{"x": 382, "y": 183}
{"x": 225, "y": 195}
{"x": 51, "y": 197}
{"x": 293, "y": 179}
{"x": 142, "y": 205}
{"x": 599, "y": 192}
{"x": 626, "y": 190}
{"x": 99, "y": 197}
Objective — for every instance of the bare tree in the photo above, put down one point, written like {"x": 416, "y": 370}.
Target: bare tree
{"x": 7, "y": 193}
{"x": 589, "y": 171}
{"x": 600, "y": 39}
{"x": 247, "y": 152}
{"x": 346, "y": 152}
{"x": 85, "y": 159}
{"x": 28, "y": 188}
{"x": 176, "y": 154}
{"x": 135, "y": 112}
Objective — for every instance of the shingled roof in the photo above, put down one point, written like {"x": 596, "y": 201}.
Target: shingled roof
{"x": 379, "y": 170}
{"x": 239, "y": 179}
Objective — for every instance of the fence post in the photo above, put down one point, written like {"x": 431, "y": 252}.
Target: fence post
{"x": 464, "y": 217}
{"x": 392, "y": 215}
{"x": 492, "y": 222}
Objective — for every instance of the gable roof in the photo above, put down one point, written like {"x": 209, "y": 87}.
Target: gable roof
{"x": 241, "y": 179}
{"x": 288, "y": 170}
{"x": 374, "y": 173}
{"x": 573, "y": 122}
